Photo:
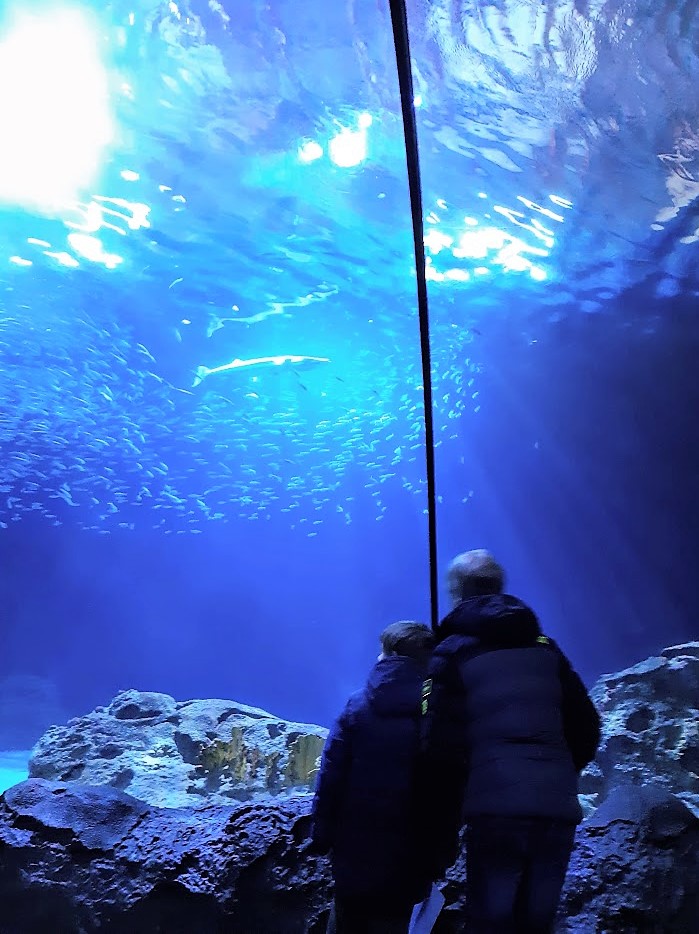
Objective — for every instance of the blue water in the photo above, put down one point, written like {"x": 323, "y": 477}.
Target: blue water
{"x": 211, "y": 416}
{"x": 13, "y": 768}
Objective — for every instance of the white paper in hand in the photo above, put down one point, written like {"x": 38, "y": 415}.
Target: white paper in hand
{"x": 426, "y": 913}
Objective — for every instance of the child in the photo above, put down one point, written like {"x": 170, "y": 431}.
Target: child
{"x": 367, "y": 810}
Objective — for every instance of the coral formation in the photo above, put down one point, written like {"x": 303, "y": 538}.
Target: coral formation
{"x": 176, "y": 754}
{"x": 304, "y": 759}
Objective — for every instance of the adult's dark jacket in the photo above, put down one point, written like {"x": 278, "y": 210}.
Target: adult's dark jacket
{"x": 366, "y": 811}
{"x": 510, "y": 724}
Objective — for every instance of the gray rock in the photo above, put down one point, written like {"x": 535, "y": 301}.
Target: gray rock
{"x": 650, "y": 717}
{"x": 635, "y": 869}
{"x": 176, "y": 754}
{"x": 81, "y": 860}
{"x": 76, "y": 859}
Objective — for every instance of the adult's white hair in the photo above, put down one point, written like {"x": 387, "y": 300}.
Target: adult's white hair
{"x": 474, "y": 573}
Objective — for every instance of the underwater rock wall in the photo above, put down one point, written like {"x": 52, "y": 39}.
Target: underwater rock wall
{"x": 76, "y": 859}
{"x": 650, "y": 724}
{"x": 78, "y": 856}
{"x": 173, "y": 754}
{"x": 635, "y": 867}
{"x": 80, "y": 860}
{"x": 216, "y": 751}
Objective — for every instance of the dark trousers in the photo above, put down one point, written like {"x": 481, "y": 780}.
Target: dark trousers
{"x": 515, "y": 869}
{"x": 365, "y": 917}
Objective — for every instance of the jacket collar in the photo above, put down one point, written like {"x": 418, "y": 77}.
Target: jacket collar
{"x": 500, "y": 620}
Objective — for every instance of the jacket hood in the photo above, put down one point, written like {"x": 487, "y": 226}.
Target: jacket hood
{"x": 394, "y": 686}
{"x": 499, "y": 620}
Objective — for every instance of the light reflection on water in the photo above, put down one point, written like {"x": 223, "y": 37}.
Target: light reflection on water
{"x": 252, "y": 205}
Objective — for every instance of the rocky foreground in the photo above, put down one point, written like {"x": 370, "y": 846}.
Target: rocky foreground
{"x": 78, "y": 858}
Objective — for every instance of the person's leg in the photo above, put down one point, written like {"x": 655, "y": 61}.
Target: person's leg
{"x": 550, "y": 847}
{"x": 495, "y": 863}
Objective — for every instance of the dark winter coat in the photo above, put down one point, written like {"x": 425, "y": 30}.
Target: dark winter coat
{"x": 510, "y": 722}
{"x": 365, "y": 810}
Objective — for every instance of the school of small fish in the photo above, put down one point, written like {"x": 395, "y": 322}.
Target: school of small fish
{"x": 91, "y": 434}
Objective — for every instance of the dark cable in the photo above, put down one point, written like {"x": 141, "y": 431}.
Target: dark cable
{"x": 399, "y": 17}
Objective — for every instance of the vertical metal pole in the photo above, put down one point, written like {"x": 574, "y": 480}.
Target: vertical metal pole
{"x": 399, "y": 18}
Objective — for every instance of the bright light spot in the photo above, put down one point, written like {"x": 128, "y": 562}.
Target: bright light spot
{"x": 436, "y": 241}
{"x": 164, "y": 188}
{"x": 533, "y": 206}
{"x": 115, "y": 214}
{"x": 65, "y": 259}
{"x": 348, "y": 148}
{"x": 130, "y": 176}
{"x": 441, "y": 203}
{"x": 365, "y": 120}
{"x": 91, "y": 248}
{"x": 54, "y": 109}
{"x": 417, "y": 100}
{"x": 18, "y": 261}
{"x": 482, "y": 194}
{"x": 512, "y": 261}
{"x": 310, "y": 151}
{"x": 132, "y": 19}
{"x": 483, "y": 250}
{"x": 137, "y": 216}
{"x": 90, "y": 217}
{"x": 458, "y": 275}
{"x": 544, "y": 230}
{"x": 186, "y": 321}
{"x": 519, "y": 220}
{"x": 475, "y": 244}
{"x": 561, "y": 202}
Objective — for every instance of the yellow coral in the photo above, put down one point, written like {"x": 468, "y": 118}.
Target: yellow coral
{"x": 304, "y": 753}
{"x": 244, "y": 762}
{"x": 220, "y": 755}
